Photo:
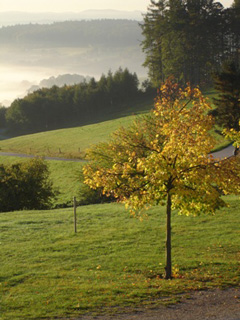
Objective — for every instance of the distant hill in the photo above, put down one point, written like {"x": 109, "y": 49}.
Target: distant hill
{"x": 101, "y": 33}
{"x": 61, "y": 80}
{"x": 12, "y": 18}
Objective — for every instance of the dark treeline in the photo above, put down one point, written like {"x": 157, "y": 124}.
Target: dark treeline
{"x": 189, "y": 39}
{"x": 110, "y": 33}
{"x": 59, "y": 107}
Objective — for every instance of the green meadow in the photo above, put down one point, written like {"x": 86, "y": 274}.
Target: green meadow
{"x": 73, "y": 142}
{"x": 114, "y": 260}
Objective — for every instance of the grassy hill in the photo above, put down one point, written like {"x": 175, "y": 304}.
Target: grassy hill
{"x": 113, "y": 261}
{"x": 73, "y": 142}
{"x": 68, "y": 142}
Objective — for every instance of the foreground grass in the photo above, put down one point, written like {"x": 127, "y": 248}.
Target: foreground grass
{"x": 113, "y": 261}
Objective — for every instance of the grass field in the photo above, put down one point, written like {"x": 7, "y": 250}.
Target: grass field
{"x": 114, "y": 260}
{"x": 72, "y": 142}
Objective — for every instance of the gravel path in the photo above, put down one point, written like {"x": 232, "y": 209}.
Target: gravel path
{"x": 201, "y": 305}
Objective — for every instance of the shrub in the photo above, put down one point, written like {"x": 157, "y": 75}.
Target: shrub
{"x": 25, "y": 186}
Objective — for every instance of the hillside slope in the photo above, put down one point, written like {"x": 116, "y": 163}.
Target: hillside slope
{"x": 72, "y": 142}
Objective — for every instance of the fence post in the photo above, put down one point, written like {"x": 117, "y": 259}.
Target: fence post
{"x": 75, "y": 214}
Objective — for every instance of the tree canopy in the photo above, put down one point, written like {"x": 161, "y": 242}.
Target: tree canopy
{"x": 164, "y": 159}
{"x": 227, "y": 83}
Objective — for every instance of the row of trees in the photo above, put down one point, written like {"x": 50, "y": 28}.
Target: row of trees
{"x": 189, "y": 39}
{"x": 57, "y": 107}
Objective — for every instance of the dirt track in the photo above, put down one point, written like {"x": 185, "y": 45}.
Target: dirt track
{"x": 201, "y": 305}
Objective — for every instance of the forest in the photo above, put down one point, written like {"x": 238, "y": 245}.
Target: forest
{"x": 190, "y": 39}
{"x": 110, "y": 33}
{"x": 58, "y": 107}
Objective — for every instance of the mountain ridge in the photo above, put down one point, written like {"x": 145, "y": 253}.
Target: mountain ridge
{"x": 9, "y": 18}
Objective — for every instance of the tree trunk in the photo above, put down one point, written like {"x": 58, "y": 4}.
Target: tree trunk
{"x": 168, "y": 240}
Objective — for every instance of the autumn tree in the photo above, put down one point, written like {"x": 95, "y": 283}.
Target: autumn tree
{"x": 233, "y": 135}
{"x": 163, "y": 159}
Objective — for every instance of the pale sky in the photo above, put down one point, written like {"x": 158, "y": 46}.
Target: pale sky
{"x": 77, "y": 5}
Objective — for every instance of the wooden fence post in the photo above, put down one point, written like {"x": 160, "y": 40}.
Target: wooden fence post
{"x": 75, "y": 214}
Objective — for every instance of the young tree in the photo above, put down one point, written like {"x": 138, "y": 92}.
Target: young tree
{"x": 164, "y": 159}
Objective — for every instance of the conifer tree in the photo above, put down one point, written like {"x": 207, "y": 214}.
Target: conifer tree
{"x": 184, "y": 38}
{"x": 227, "y": 82}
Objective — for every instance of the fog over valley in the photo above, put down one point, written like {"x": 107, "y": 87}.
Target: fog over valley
{"x": 32, "y": 52}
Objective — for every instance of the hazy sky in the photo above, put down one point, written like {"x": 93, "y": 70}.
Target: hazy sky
{"x": 77, "y": 5}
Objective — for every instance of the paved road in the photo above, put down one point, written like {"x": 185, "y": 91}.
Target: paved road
{"x": 227, "y": 152}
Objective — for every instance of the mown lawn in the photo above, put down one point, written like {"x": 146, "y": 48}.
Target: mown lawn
{"x": 114, "y": 260}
